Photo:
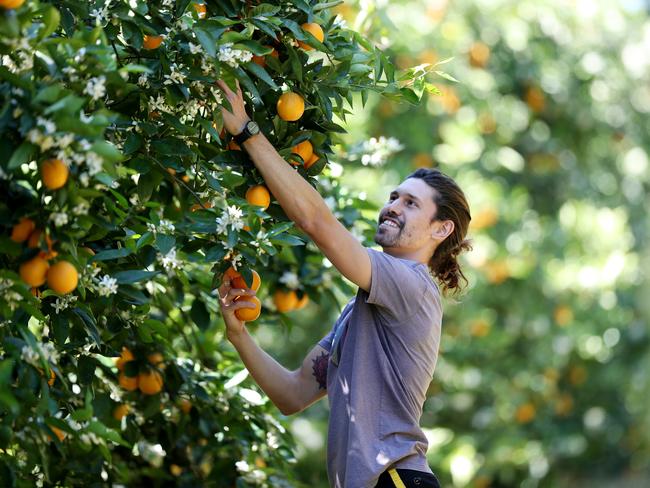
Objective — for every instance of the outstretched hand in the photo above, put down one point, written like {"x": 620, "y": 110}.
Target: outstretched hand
{"x": 235, "y": 120}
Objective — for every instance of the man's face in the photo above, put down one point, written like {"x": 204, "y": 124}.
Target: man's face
{"x": 405, "y": 220}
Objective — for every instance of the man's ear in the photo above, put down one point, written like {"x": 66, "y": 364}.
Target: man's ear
{"x": 443, "y": 229}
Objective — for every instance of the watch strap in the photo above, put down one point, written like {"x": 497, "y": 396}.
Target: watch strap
{"x": 243, "y": 135}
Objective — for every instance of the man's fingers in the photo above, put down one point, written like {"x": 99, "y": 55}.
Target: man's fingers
{"x": 235, "y": 292}
{"x": 225, "y": 89}
{"x": 239, "y": 304}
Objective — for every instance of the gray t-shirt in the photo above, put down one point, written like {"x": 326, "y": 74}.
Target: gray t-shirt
{"x": 382, "y": 353}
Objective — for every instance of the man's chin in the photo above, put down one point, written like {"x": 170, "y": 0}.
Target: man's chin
{"x": 383, "y": 240}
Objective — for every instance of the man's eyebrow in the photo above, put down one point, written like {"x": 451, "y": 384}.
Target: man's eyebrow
{"x": 410, "y": 195}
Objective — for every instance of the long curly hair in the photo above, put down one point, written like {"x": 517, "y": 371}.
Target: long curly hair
{"x": 452, "y": 205}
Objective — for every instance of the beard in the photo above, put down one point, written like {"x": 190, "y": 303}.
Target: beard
{"x": 388, "y": 237}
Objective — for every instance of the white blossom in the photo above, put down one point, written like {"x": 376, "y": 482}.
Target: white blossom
{"x": 13, "y": 299}
{"x": 290, "y": 279}
{"x": 175, "y": 76}
{"x": 232, "y": 56}
{"x": 143, "y": 80}
{"x": 48, "y": 125}
{"x": 152, "y": 453}
{"x": 232, "y": 217}
{"x": 169, "y": 261}
{"x": 107, "y": 286}
{"x": 96, "y": 87}
{"x": 195, "y": 48}
{"x": 81, "y": 208}
{"x": 64, "y": 302}
{"x": 166, "y": 226}
{"x": 65, "y": 140}
{"x": 84, "y": 179}
{"x": 94, "y": 162}
{"x": 59, "y": 218}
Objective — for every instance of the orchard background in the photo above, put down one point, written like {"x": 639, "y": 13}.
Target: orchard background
{"x": 543, "y": 375}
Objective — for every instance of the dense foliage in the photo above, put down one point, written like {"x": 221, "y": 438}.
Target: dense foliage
{"x": 124, "y": 201}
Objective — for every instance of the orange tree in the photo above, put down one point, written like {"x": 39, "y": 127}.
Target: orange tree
{"x": 124, "y": 202}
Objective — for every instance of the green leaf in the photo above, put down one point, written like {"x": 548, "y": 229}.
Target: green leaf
{"x": 133, "y": 276}
{"x": 24, "y": 154}
{"x": 261, "y": 73}
{"x": 109, "y": 254}
{"x": 165, "y": 243}
{"x": 51, "y": 19}
{"x": 200, "y": 314}
{"x": 287, "y": 240}
{"x": 446, "y": 76}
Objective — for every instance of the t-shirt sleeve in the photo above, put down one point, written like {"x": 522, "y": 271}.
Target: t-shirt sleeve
{"x": 395, "y": 286}
{"x": 326, "y": 342}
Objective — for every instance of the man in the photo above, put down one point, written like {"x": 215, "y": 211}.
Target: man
{"x": 378, "y": 360}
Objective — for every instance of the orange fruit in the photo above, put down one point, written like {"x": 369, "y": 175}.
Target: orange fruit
{"x": 124, "y": 358}
{"x": 201, "y": 10}
{"x": 129, "y": 383}
{"x": 302, "y": 302}
{"x": 120, "y": 411}
{"x": 22, "y": 230}
{"x": 285, "y": 301}
{"x": 171, "y": 171}
{"x": 54, "y": 173}
{"x": 525, "y": 413}
{"x": 176, "y": 470}
{"x": 152, "y": 42}
{"x": 52, "y": 376}
{"x": 315, "y": 30}
{"x": 249, "y": 314}
{"x": 185, "y": 178}
{"x": 479, "y": 54}
{"x": 156, "y": 359}
{"x": 233, "y": 146}
{"x": 11, "y": 4}
{"x": 198, "y": 206}
{"x": 303, "y": 149}
{"x": 535, "y": 99}
{"x": 259, "y": 196}
{"x": 185, "y": 405}
{"x": 239, "y": 282}
{"x": 34, "y": 271}
{"x": 261, "y": 60}
{"x": 150, "y": 382}
{"x": 62, "y": 277}
{"x": 314, "y": 157}
{"x": 290, "y": 106}
{"x": 58, "y": 432}
{"x": 35, "y": 238}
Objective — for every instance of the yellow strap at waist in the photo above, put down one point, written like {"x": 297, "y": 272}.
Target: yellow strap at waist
{"x": 396, "y": 479}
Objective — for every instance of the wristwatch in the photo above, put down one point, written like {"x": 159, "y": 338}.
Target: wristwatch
{"x": 250, "y": 129}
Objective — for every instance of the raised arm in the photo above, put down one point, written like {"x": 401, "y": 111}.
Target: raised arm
{"x": 300, "y": 201}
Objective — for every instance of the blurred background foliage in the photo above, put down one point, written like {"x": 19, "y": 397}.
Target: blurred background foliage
{"x": 543, "y": 377}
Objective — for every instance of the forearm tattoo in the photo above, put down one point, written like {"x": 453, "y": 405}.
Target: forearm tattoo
{"x": 320, "y": 370}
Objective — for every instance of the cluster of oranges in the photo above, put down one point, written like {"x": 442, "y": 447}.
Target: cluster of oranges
{"x": 149, "y": 381}
{"x": 237, "y": 281}
{"x": 61, "y": 277}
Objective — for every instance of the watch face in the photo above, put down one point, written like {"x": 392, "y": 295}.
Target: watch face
{"x": 252, "y": 127}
